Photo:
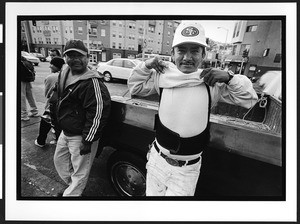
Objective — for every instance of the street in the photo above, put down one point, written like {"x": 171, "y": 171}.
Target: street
{"x": 38, "y": 175}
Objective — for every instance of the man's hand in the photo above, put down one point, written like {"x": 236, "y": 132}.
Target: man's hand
{"x": 213, "y": 75}
{"x": 157, "y": 64}
{"x": 85, "y": 148}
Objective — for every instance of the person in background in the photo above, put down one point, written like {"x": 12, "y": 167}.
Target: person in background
{"x": 54, "y": 53}
{"x": 182, "y": 123}
{"x": 26, "y": 73}
{"x": 82, "y": 112}
{"x": 45, "y": 125}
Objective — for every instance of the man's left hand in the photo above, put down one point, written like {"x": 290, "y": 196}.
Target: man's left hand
{"x": 213, "y": 75}
{"x": 85, "y": 149}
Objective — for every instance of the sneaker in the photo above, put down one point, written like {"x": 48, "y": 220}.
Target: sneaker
{"x": 25, "y": 118}
{"x": 35, "y": 114}
{"x": 37, "y": 144}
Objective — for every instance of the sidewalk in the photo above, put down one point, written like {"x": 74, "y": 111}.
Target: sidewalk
{"x": 38, "y": 176}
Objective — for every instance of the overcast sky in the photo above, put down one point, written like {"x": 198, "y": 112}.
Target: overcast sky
{"x": 212, "y": 31}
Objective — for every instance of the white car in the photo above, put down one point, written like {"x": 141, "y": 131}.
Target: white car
{"x": 118, "y": 68}
{"x": 34, "y": 60}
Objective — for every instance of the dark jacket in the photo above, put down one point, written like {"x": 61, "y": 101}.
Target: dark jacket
{"x": 83, "y": 106}
{"x": 26, "y": 70}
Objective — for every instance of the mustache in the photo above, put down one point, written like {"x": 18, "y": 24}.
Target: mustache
{"x": 189, "y": 62}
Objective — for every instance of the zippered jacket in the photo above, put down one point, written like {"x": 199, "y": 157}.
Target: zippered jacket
{"x": 83, "y": 106}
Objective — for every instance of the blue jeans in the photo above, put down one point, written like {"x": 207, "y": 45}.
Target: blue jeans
{"x": 163, "y": 179}
{"x": 72, "y": 167}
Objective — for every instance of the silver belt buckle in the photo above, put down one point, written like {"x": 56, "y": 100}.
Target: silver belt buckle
{"x": 172, "y": 162}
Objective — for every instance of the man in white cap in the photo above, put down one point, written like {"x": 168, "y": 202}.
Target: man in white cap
{"x": 82, "y": 111}
{"x": 186, "y": 96}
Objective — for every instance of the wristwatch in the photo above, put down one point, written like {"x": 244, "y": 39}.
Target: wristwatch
{"x": 230, "y": 74}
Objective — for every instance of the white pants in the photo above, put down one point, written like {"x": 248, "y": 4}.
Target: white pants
{"x": 163, "y": 179}
{"x": 72, "y": 167}
{"x": 26, "y": 93}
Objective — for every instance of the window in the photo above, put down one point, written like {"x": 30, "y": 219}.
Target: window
{"x": 40, "y": 40}
{"x": 113, "y": 44}
{"x": 114, "y": 34}
{"x": 169, "y": 33}
{"x": 266, "y": 52}
{"x": 80, "y": 30}
{"x": 116, "y": 55}
{"x": 114, "y": 23}
{"x": 120, "y": 35}
{"x": 33, "y": 29}
{"x": 168, "y": 43}
{"x": 234, "y": 50}
{"x": 71, "y": 29}
{"x": 48, "y": 40}
{"x": 245, "y": 47}
{"x": 66, "y": 30}
{"x": 55, "y": 40}
{"x": 34, "y": 40}
{"x": 117, "y": 63}
{"x": 132, "y": 25}
{"x": 277, "y": 58}
{"x": 102, "y": 32}
{"x": 120, "y": 45}
{"x": 128, "y": 64}
{"x": 151, "y": 29}
{"x": 120, "y": 23}
{"x": 94, "y": 31}
{"x": 251, "y": 28}
{"x": 169, "y": 24}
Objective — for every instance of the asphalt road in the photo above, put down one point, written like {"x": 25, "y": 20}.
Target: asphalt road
{"x": 38, "y": 177}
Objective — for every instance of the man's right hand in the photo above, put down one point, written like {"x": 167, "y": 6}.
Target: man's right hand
{"x": 157, "y": 64}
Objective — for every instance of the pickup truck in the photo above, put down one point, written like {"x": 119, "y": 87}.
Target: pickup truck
{"x": 244, "y": 158}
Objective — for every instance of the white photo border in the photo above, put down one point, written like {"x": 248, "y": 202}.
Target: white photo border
{"x": 149, "y": 210}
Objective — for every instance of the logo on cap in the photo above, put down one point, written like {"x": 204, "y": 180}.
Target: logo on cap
{"x": 190, "y": 31}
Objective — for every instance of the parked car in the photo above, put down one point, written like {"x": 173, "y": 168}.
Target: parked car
{"x": 39, "y": 56}
{"x": 118, "y": 68}
{"x": 34, "y": 60}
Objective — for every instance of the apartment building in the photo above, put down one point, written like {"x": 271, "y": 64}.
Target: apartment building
{"x": 262, "y": 42}
{"x": 106, "y": 39}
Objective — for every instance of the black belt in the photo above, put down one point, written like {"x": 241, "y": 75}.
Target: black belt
{"x": 175, "y": 162}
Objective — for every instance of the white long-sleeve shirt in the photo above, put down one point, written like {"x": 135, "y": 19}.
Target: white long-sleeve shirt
{"x": 182, "y": 107}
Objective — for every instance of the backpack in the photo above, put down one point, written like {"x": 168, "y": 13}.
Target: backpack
{"x": 29, "y": 76}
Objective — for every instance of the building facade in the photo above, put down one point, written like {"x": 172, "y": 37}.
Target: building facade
{"x": 261, "y": 41}
{"x": 105, "y": 39}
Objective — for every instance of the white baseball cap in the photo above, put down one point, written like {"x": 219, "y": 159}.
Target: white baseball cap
{"x": 189, "y": 31}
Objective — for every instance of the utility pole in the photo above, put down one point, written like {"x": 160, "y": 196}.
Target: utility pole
{"x": 26, "y": 34}
{"x": 88, "y": 35}
{"x": 144, "y": 41}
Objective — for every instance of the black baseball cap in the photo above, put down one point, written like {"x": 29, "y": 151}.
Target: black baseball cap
{"x": 75, "y": 45}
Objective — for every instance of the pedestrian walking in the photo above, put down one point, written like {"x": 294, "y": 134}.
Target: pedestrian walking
{"x": 186, "y": 97}
{"x": 82, "y": 112}
{"x": 27, "y": 76}
{"x": 46, "y": 122}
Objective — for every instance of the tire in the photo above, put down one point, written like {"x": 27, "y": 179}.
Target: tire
{"x": 36, "y": 64}
{"x": 107, "y": 77}
{"x": 127, "y": 173}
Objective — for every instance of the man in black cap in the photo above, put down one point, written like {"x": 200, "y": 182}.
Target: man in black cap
{"x": 82, "y": 112}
